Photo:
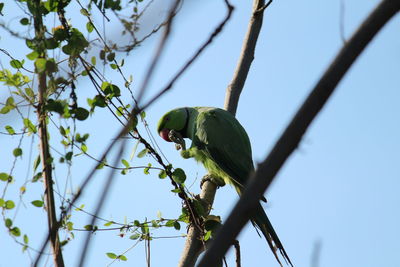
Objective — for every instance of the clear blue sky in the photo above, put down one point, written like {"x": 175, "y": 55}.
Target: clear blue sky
{"x": 339, "y": 189}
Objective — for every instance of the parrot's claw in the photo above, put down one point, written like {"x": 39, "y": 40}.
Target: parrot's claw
{"x": 210, "y": 178}
{"x": 177, "y": 138}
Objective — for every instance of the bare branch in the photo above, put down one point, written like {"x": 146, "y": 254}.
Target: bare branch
{"x": 193, "y": 58}
{"x": 237, "y": 250}
{"x": 246, "y": 56}
{"x": 193, "y": 244}
{"x": 291, "y": 137}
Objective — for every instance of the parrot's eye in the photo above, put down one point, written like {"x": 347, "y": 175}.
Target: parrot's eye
{"x": 167, "y": 118}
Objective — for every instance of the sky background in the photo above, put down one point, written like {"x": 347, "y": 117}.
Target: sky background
{"x": 336, "y": 197}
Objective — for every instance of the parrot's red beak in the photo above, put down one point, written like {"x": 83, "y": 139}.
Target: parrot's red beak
{"x": 164, "y": 135}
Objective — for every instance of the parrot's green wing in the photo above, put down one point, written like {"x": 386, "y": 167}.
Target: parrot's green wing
{"x": 225, "y": 142}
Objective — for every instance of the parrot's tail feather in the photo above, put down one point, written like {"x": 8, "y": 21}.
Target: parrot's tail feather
{"x": 261, "y": 220}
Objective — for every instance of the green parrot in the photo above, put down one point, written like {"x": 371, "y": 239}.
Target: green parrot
{"x": 221, "y": 144}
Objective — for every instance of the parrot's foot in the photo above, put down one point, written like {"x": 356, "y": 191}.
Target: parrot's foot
{"x": 177, "y": 138}
{"x": 213, "y": 179}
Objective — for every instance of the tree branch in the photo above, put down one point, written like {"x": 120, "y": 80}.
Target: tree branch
{"x": 194, "y": 245}
{"x": 246, "y": 56}
{"x": 45, "y": 156}
{"x": 291, "y": 137}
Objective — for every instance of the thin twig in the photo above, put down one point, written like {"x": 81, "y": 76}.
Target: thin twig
{"x": 106, "y": 190}
{"x": 216, "y": 32}
{"x": 237, "y": 253}
{"x": 159, "y": 51}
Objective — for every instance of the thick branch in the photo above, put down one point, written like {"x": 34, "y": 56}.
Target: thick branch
{"x": 193, "y": 245}
{"x": 291, "y": 137}
{"x": 45, "y": 156}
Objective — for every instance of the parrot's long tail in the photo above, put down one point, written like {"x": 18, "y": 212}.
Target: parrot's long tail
{"x": 261, "y": 222}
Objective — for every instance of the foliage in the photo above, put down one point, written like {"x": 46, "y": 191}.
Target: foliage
{"x": 58, "y": 59}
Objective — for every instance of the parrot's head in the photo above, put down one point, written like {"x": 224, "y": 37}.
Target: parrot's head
{"x": 175, "y": 119}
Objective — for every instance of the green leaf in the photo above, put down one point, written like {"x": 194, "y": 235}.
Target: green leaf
{"x": 33, "y": 55}
{"x": 4, "y": 176}
{"x": 135, "y": 236}
{"x": 207, "y": 235}
{"x": 24, "y": 21}
{"x": 2, "y": 202}
{"x": 5, "y": 110}
{"x": 26, "y": 239}
{"x": 145, "y": 229}
{"x": 93, "y": 60}
{"x": 143, "y": 153}
{"x": 162, "y": 174}
{"x": 177, "y": 225}
{"x": 126, "y": 163}
{"x": 37, "y": 177}
{"x": 69, "y": 155}
{"x": 101, "y": 165}
{"x": 199, "y": 207}
{"x": 102, "y": 54}
{"x": 122, "y": 258}
{"x": 80, "y": 113}
{"x": 109, "y": 223}
{"x": 29, "y": 125}
{"x": 84, "y": 12}
{"x": 17, "y": 152}
{"x": 90, "y": 227}
{"x": 8, "y": 222}
{"x": 37, "y": 203}
{"x": 51, "y": 6}
{"x": 1, "y": 8}
{"x": 16, "y": 64}
{"x": 111, "y": 255}
{"x": 15, "y": 231}
{"x": 36, "y": 163}
{"x": 179, "y": 176}
{"x": 40, "y": 65}
{"x": 146, "y": 170}
{"x": 9, "y": 204}
{"x": 51, "y": 66}
{"x": 176, "y": 190}
{"x": 84, "y": 148}
{"x": 170, "y": 223}
{"x": 9, "y": 129}
{"x": 142, "y": 115}
{"x": 111, "y": 56}
{"x": 76, "y": 43}
{"x": 51, "y": 43}
{"x": 29, "y": 92}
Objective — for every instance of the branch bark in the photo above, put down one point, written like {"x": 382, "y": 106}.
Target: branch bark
{"x": 193, "y": 245}
{"x": 291, "y": 137}
{"x": 246, "y": 56}
{"x": 45, "y": 156}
